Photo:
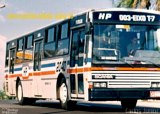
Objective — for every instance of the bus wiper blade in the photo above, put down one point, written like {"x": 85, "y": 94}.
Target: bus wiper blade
{"x": 152, "y": 63}
{"x": 128, "y": 64}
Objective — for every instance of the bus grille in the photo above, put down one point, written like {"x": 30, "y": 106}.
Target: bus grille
{"x": 129, "y": 79}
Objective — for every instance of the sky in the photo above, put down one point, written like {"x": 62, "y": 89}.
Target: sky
{"x": 11, "y": 27}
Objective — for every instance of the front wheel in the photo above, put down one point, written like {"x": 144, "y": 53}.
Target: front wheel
{"x": 21, "y": 99}
{"x": 64, "y": 100}
{"x": 128, "y": 104}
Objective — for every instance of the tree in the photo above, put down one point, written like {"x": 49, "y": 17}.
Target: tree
{"x": 142, "y": 4}
{"x": 158, "y": 5}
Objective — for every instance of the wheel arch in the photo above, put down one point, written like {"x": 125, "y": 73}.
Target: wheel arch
{"x": 59, "y": 79}
{"x": 17, "y": 81}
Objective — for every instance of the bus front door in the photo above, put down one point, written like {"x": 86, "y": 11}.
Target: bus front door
{"x": 37, "y": 67}
{"x": 37, "y": 55}
{"x": 76, "y": 62}
{"x": 12, "y": 53}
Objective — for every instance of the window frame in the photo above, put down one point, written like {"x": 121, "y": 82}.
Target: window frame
{"x": 28, "y": 48}
{"x": 47, "y": 34}
{"x": 22, "y": 50}
{"x": 62, "y": 39}
{"x": 19, "y": 43}
{"x": 26, "y": 41}
{"x": 53, "y": 43}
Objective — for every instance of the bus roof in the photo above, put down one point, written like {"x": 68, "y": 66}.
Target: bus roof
{"x": 129, "y": 10}
{"x": 84, "y": 12}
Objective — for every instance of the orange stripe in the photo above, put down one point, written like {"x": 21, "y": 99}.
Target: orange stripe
{"x": 41, "y": 73}
{"x": 14, "y": 75}
{"x": 87, "y": 69}
{"x": 123, "y": 69}
{"x": 71, "y": 71}
{"x": 102, "y": 68}
{"x": 78, "y": 70}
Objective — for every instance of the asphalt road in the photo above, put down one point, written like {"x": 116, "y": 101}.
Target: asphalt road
{"x": 48, "y": 107}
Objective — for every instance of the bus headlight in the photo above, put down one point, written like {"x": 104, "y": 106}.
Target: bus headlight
{"x": 100, "y": 84}
{"x": 155, "y": 84}
{"x": 103, "y": 84}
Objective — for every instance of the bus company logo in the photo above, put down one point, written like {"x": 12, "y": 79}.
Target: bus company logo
{"x": 105, "y": 16}
{"x": 25, "y": 71}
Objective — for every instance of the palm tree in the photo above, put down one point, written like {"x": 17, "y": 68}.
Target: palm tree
{"x": 125, "y": 3}
{"x": 142, "y": 4}
{"x": 158, "y": 5}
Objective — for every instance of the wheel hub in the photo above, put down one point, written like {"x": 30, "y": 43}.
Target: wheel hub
{"x": 63, "y": 93}
{"x": 19, "y": 93}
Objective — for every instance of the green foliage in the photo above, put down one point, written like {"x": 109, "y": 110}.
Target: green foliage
{"x": 126, "y": 3}
{"x": 3, "y": 95}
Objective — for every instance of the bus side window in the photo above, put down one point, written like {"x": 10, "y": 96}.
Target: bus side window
{"x": 50, "y": 43}
{"x": 19, "y": 53}
{"x": 63, "y": 41}
{"x": 28, "y": 53}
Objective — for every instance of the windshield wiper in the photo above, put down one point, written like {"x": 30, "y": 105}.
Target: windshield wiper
{"x": 128, "y": 64}
{"x": 152, "y": 63}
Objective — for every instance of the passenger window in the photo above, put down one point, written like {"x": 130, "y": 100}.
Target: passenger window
{"x": 28, "y": 53}
{"x": 29, "y": 41}
{"x": 19, "y": 53}
{"x": 50, "y": 45}
{"x": 64, "y": 31}
{"x": 50, "y": 35}
{"x": 63, "y": 42}
{"x": 20, "y": 44}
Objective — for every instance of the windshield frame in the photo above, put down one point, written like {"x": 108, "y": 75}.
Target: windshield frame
{"x": 123, "y": 62}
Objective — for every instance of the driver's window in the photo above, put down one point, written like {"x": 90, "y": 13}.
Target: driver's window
{"x": 74, "y": 48}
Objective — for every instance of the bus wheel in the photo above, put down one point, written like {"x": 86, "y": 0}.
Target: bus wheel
{"x": 128, "y": 104}
{"x": 21, "y": 99}
{"x": 64, "y": 100}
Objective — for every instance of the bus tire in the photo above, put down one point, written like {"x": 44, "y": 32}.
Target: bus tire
{"x": 64, "y": 99}
{"x": 128, "y": 104}
{"x": 21, "y": 99}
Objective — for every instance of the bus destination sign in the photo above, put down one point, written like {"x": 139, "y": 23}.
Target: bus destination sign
{"x": 126, "y": 17}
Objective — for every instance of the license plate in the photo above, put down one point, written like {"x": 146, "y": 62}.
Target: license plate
{"x": 154, "y": 93}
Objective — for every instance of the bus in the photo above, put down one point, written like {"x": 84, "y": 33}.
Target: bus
{"x": 86, "y": 58}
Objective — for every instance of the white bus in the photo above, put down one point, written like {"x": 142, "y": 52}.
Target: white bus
{"x": 88, "y": 58}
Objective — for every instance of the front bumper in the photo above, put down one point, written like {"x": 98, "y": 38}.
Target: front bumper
{"x": 100, "y": 94}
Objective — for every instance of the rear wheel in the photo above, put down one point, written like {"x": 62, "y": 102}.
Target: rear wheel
{"x": 64, "y": 100}
{"x": 128, "y": 104}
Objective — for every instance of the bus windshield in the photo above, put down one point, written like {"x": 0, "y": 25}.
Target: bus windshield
{"x": 126, "y": 43}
